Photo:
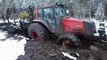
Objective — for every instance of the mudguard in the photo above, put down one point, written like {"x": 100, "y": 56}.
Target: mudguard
{"x": 45, "y": 23}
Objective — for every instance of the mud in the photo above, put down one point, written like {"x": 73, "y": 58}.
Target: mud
{"x": 51, "y": 51}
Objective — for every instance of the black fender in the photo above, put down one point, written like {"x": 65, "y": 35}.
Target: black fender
{"x": 44, "y": 23}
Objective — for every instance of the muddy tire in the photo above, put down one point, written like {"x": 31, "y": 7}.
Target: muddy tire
{"x": 70, "y": 39}
{"x": 37, "y": 31}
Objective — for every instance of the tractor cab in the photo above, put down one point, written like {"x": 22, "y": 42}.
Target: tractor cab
{"x": 56, "y": 11}
{"x": 51, "y": 15}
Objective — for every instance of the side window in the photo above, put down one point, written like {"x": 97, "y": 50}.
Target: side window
{"x": 59, "y": 12}
{"x": 48, "y": 14}
{"x": 40, "y": 14}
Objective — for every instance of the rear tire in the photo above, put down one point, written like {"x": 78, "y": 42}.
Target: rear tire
{"x": 37, "y": 31}
{"x": 70, "y": 39}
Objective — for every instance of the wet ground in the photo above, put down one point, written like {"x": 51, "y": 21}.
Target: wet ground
{"x": 49, "y": 50}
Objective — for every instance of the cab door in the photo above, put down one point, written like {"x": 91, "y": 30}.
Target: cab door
{"x": 59, "y": 13}
{"x": 49, "y": 17}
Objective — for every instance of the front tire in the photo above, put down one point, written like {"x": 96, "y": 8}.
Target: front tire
{"x": 68, "y": 39}
{"x": 37, "y": 31}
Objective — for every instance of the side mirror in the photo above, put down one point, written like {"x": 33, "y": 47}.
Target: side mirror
{"x": 67, "y": 11}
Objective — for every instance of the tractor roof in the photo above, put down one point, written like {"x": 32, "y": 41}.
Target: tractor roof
{"x": 48, "y": 5}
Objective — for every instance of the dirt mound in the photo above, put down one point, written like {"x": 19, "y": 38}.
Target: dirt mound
{"x": 50, "y": 51}
{"x": 38, "y": 51}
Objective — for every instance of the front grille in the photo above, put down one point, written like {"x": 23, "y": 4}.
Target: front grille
{"x": 90, "y": 28}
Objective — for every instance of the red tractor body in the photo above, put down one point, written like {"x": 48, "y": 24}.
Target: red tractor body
{"x": 72, "y": 24}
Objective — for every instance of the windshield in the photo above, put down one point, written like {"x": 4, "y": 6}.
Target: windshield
{"x": 60, "y": 12}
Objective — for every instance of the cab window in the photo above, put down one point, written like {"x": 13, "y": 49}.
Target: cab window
{"x": 48, "y": 14}
{"x": 59, "y": 12}
{"x": 40, "y": 14}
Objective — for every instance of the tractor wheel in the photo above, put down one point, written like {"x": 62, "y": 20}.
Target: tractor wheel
{"x": 68, "y": 40}
{"x": 37, "y": 32}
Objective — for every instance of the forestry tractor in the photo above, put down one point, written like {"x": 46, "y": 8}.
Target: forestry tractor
{"x": 53, "y": 21}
